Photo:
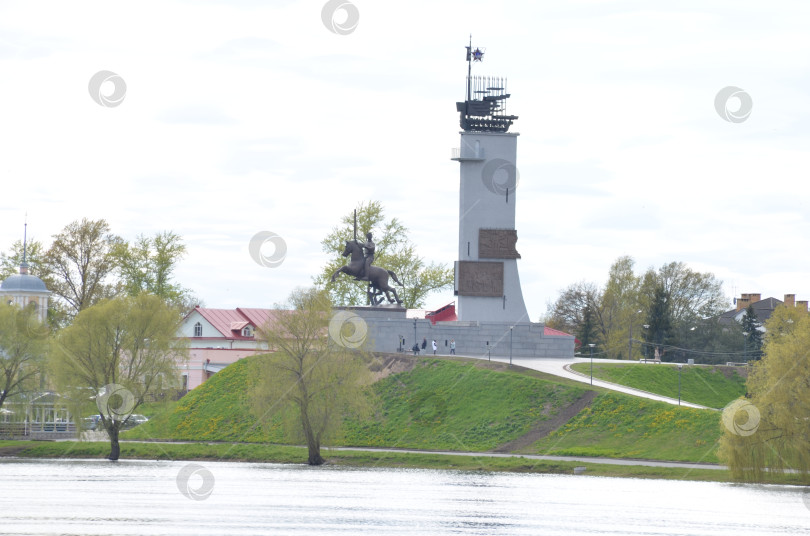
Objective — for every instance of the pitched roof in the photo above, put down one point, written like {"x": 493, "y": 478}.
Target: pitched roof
{"x": 762, "y": 310}
{"x": 229, "y": 322}
{"x": 551, "y": 332}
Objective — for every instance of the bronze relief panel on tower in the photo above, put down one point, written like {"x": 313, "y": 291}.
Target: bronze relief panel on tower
{"x": 497, "y": 244}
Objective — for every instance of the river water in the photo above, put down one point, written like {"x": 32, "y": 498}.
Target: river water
{"x": 174, "y": 498}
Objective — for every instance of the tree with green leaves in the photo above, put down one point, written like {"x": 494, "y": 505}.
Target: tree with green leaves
{"x": 23, "y": 350}
{"x": 753, "y": 335}
{"x": 587, "y": 331}
{"x": 120, "y": 351}
{"x": 659, "y": 319}
{"x": 577, "y": 311}
{"x": 34, "y": 252}
{"x": 317, "y": 373}
{"x": 147, "y": 265}
{"x": 770, "y": 430}
{"x": 81, "y": 264}
{"x": 394, "y": 251}
{"x": 620, "y": 307}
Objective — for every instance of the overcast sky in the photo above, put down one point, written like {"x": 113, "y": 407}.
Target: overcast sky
{"x": 248, "y": 116}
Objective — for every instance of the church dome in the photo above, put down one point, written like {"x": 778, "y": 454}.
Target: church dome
{"x": 24, "y": 283}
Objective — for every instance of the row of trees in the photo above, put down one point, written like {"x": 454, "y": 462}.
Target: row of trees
{"x": 112, "y": 321}
{"x": 673, "y": 309}
{"x": 113, "y": 356}
{"x": 116, "y": 311}
{"x": 86, "y": 263}
{"x": 123, "y": 351}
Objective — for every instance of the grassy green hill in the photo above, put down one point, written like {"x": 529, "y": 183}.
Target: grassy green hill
{"x": 623, "y": 426}
{"x": 709, "y": 386}
{"x": 458, "y": 404}
{"x": 449, "y": 405}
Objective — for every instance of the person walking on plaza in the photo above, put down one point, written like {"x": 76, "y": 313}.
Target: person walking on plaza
{"x": 424, "y": 343}
{"x": 434, "y": 346}
{"x": 452, "y": 347}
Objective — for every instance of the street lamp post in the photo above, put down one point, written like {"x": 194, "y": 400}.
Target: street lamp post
{"x": 591, "y": 345}
{"x": 680, "y": 368}
{"x": 510, "y": 345}
{"x": 646, "y": 327}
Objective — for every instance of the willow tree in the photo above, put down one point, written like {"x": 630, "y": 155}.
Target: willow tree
{"x": 394, "y": 251}
{"x": 119, "y": 352}
{"x": 317, "y": 373}
{"x": 23, "y": 349}
{"x": 770, "y": 431}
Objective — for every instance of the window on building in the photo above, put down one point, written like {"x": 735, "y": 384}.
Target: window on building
{"x": 198, "y": 330}
{"x": 247, "y": 332}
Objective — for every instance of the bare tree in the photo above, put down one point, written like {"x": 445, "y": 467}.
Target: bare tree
{"x": 80, "y": 262}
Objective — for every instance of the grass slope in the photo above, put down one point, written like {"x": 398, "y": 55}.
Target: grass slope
{"x": 217, "y": 410}
{"x": 457, "y": 406}
{"x": 439, "y": 404}
{"x": 442, "y": 404}
{"x": 713, "y": 387}
{"x": 624, "y": 426}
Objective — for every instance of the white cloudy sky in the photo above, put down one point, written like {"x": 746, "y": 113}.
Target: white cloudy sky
{"x": 248, "y": 116}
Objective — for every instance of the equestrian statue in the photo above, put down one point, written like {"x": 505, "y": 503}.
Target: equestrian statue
{"x": 360, "y": 266}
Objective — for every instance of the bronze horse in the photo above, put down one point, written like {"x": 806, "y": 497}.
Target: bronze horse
{"x": 377, "y": 277}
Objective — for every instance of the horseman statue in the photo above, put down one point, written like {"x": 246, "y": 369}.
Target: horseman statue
{"x": 360, "y": 266}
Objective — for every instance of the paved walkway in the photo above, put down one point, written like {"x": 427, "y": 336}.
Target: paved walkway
{"x": 580, "y": 459}
{"x": 561, "y": 367}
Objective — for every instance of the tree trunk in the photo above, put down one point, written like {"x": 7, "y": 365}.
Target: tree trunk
{"x": 115, "y": 448}
{"x": 313, "y": 445}
{"x": 314, "y": 452}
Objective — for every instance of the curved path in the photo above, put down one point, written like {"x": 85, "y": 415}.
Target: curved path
{"x": 560, "y": 366}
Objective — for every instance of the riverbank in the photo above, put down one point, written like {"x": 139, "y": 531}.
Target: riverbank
{"x": 484, "y": 462}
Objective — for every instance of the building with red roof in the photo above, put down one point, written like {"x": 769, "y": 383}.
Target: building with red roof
{"x": 218, "y": 337}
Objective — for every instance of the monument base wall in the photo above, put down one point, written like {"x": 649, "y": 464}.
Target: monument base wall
{"x": 386, "y": 325}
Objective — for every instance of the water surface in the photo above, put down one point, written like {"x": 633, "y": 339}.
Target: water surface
{"x": 143, "y": 497}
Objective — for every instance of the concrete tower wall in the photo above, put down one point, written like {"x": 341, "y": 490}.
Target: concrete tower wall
{"x": 487, "y": 200}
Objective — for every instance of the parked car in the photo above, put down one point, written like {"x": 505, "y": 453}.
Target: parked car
{"x": 93, "y": 422}
{"x": 134, "y": 420}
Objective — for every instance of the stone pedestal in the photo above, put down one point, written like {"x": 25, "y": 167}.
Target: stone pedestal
{"x": 385, "y": 325}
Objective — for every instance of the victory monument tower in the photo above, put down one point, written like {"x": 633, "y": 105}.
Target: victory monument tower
{"x": 487, "y": 282}
{"x": 491, "y": 315}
